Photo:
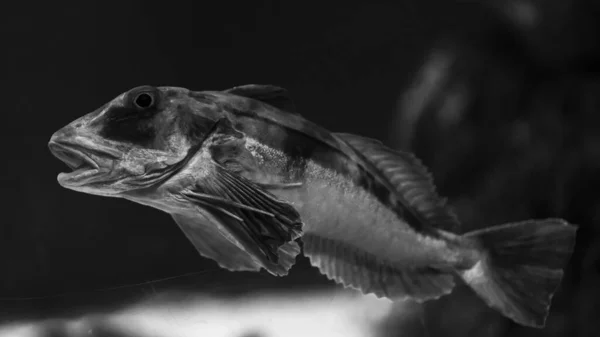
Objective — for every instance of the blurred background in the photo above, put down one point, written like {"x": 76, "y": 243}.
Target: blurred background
{"x": 501, "y": 99}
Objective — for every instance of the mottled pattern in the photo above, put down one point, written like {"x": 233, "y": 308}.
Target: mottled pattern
{"x": 193, "y": 126}
{"x": 301, "y": 140}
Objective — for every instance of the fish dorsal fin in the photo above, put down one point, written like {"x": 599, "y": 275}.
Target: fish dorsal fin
{"x": 410, "y": 177}
{"x": 269, "y": 94}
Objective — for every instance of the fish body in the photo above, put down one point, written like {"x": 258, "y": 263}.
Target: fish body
{"x": 246, "y": 177}
{"x": 340, "y": 195}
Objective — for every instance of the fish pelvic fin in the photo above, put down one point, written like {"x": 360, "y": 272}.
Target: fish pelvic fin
{"x": 212, "y": 243}
{"x": 521, "y": 267}
{"x": 411, "y": 180}
{"x": 354, "y": 268}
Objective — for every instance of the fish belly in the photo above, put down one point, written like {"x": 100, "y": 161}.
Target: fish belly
{"x": 333, "y": 207}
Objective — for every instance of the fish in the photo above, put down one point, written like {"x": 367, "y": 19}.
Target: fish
{"x": 252, "y": 184}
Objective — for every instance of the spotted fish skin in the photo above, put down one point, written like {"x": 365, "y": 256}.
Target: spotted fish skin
{"x": 245, "y": 177}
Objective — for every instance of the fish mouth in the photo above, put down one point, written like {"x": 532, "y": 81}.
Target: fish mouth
{"x": 82, "y": 165}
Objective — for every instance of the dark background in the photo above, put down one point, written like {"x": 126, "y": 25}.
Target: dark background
{"x": 520, "y": 141}
{"x": 344, "y": 66}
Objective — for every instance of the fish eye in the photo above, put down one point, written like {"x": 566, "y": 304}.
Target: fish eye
{"x": 144, "y": 100}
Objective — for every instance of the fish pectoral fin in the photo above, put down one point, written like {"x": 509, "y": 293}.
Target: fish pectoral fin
{"x": 275, "y": 96}
{"x": 248, "y": 210}
{"x": 410, "y": 178}
{"x": 355, "y": 268}
{"x": 204, "y": 233}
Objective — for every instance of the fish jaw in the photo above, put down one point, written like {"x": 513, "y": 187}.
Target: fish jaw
{"x": 90, "y": 160}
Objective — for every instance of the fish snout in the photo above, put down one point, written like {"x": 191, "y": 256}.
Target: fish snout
{"x": 61, "y": 141}
{"x": 62, "y": 136}
{"x": 59, "y": 144}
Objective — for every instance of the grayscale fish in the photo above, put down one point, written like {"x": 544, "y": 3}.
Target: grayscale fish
{"x": 244, "y": 176}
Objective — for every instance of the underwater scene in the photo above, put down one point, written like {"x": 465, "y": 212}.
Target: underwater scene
{"x": 265, "y": 169}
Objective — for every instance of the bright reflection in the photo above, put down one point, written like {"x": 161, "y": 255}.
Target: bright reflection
{"x": 22, "y": 330}
{"x": 321, "y": 313}
{"x": 269, "y": 315}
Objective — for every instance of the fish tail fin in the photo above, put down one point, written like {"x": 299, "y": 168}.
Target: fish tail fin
{"x": 521, "y": 267}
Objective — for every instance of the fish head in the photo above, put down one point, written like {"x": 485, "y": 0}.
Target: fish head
{"x": 134, "y": 141}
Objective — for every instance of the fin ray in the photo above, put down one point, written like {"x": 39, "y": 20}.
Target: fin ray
{"x": 412, "y": 180}
{"x": 255, "y": 219}
{"x": 360, "y": 270}
{"x": 269, "y": 222}
{"x": 522, "y": 267}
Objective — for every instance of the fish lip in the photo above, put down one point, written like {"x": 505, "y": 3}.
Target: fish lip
{"x": 85, "y": 170}
{"x": 72, "y": 155}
